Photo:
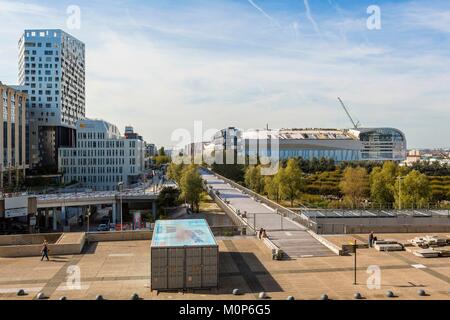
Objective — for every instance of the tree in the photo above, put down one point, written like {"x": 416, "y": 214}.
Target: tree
{"x": 253, "y": 179}
{"x": 431, "y": 168}
{"x": 159, "y": 160}
{"x": 161, "y": 152}
{"x": 234, "y": 172}
{"x": 168, "y": 197}
{"x": 191, "y": 186}
{"x": 175, "y": 171}
{"x": 382, "y": 184}
{"x": 272, "y": 186}
{"x": 354, "y": 185}
{"x": 412, "y": 191}
{"x": 291, "y": 180}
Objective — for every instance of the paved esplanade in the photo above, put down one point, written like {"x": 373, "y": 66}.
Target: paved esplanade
{"x": 291, "y": 237}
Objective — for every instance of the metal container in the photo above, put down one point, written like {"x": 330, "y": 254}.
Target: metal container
{"x": 184, "y": 255}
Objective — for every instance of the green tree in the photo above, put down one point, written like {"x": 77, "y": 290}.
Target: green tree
{"x": 234, "y": 172}
{"x": 253, "y": 179}
{"x": 354, "y": 185}
{"x": 272, "y": 185}
{"x": 413, "y": 190}
{"x": 291, "y": 181}
{"x": 175, "y": 171}
{"x": 161, "y": 152}
{"x": 159, "y": 160}
{"x": 168, "y": 197}
{"x": 382, "y": 183}
{"x": 191, "y": 186}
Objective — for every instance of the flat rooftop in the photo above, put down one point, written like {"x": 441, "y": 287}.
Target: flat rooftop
{"x": 301, "y": 134}
{"x": 116, "y": 270}
{"x": 182, "y": 232}
{"x": 373, "y": 213}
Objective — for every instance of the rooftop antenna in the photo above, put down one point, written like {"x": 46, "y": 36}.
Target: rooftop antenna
{"x": 355, "y": 125}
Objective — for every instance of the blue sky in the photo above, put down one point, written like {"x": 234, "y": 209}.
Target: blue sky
{"x": 161, "y": 65}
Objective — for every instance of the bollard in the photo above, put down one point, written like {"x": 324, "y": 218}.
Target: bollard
{"x": 236, "y": 292}
{"x": 135, "y": 296}
{"x": 390, "y": 294}
{"x": 421, "y": 293}
{"x": 21, "y": 292}
{"x": 262, "y": 295}
{"x": 290, "y": 298}
{"x": 63, "y": 298}
{"x": 99, "y": 297}
{"x": 40, "y": 296}
{"x": 358, "y": 295}
{"x": 324, "y": 297}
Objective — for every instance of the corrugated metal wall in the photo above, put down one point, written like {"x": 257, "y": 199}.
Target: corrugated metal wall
{"x": 159, "y": 268}
{"x": 184, "y": 268}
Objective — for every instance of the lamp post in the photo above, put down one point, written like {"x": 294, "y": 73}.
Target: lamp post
{"x": 88, "y": 216}
{"x": 354, "y": 263}
{"x": 120, "y": 185}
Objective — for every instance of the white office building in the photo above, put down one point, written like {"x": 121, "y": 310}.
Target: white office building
{"x": 102, "y": 157}
{"x": 52, "y": 67}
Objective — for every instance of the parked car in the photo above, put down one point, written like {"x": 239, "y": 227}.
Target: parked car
{"x": 102, "y": 227}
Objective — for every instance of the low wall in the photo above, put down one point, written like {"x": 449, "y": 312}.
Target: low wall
{"x": 398, "y": 224}
{"x": 397, "y": 229}
{"x": 68, "y": 247}
{"x": 228, "y": 211}
{"x": 219, "y": 231}
{"x": 119, "y": 235}
{"x": 28, "y": 239}
{"x": 334, "y": 248}
{"x": 297, "y": 217}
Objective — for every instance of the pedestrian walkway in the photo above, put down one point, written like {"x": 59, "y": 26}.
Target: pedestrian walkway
{"x": 288, "y": 235}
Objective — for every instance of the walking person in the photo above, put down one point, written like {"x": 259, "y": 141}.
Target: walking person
{"x": 44, "y": 251}
{"x": 260, "y": 233}
{"x": 371, "y": 238}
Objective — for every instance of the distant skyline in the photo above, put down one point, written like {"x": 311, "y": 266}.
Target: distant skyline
{"x": 161, "y": 65}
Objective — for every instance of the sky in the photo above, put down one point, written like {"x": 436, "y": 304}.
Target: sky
{"x": 162, "y": 65}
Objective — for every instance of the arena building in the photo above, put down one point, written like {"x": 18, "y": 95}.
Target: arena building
{"x": 357, "y": 144}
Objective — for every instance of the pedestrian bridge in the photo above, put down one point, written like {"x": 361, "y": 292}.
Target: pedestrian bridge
{"x": 285, "y": 233}
{"x": 74, "y": 199}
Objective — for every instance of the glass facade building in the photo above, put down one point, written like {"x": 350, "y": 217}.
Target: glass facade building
{"x": 52, "y": 67}
{"x": 362, "y": 144}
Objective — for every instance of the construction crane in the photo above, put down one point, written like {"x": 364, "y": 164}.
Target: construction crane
{"x": 355, "y": 125}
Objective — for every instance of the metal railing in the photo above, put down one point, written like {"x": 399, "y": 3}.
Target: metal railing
{"x": 297, "y": 217}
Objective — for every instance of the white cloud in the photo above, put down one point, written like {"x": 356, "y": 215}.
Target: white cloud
{"x": 418, "y": 16}
{"x": 161, "y": 70}
{"x": 18, "y": 7}
{"x": 264, "y": 13}
{"x": 310, "y": 16}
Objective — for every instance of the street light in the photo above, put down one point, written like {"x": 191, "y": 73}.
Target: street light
{"x": 120, "y": 185}
{"x": 88, "y": 215}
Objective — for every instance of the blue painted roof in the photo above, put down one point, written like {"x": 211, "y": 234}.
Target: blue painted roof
{"x": 183, "y": 232}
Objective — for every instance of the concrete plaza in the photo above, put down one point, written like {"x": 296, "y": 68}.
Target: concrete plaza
{"x": 118, "y": 269}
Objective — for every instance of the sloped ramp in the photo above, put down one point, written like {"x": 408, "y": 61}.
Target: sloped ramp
{"x": 298, "y": 244}
{"x": 289, "y": 236}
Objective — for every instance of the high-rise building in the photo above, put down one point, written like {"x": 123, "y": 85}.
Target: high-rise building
{"x": 13, "y": 160}
{"x": 52, "y": 67}
{"x": 102, "y": 157}
{"x": 150, "y": 150}
{"x": 130, "y": 134}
